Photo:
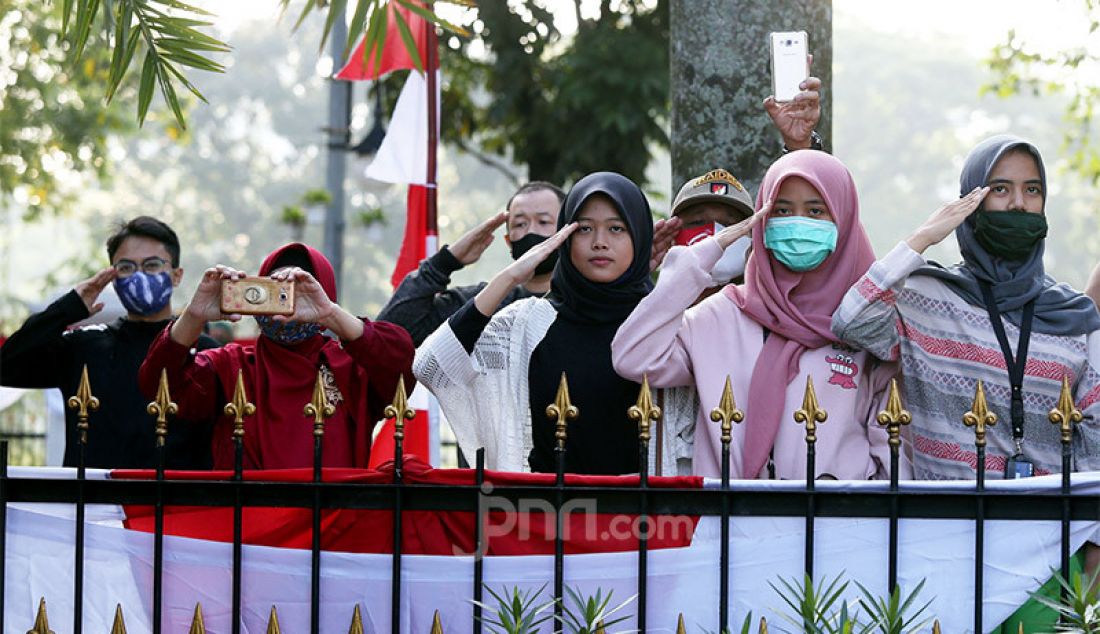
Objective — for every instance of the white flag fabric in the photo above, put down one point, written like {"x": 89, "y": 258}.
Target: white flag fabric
{"x": 1019, "y": 555}
{"x": 403, "y": 156}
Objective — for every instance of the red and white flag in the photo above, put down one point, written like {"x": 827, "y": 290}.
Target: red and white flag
{"x": 404, "y": 154}
{"x": 395, "y": 55}
{"x": 407, "y": 156}
{"x": 437, "y": 568}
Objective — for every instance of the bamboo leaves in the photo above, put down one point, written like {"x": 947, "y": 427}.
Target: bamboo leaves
{"x": 169, "y": 33}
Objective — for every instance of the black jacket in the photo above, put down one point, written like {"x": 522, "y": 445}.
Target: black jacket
{"x": 422, "y": 301}
{"x": 42, "y": 354}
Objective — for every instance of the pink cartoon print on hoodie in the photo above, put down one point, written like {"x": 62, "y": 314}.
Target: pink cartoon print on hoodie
{"x": 844, "y": 368}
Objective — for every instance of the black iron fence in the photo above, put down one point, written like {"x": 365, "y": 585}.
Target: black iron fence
{"x": 398, "y": 497}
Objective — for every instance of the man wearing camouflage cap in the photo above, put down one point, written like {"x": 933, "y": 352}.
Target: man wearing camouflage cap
{"x": 707, "y": 204}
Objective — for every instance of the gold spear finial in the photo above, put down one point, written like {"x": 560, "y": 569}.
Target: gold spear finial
{"x": 437, "y": 625}
{"x": 680, "y": 627}
{"x": 894, "y": 416}
{"x": 273, "y": 622}
{"x": 83, "y": 402}
{"x": 600, "y": 628}
{"x": 356, "y": 622}
{"x": 41, "y": 623}
{"x": 763, "y": 625}
{"x": 810, "y": 413}
{"x": 1020, "y": 628}
{"x": 319, "y": 407}
{"x": 644, "y": 411}
{"x": 1066, "y": 413}
{"x": 162, "y": 407}
{"x": 197, "y": 625}
{"x": 727, "y": 413}
{"x": 561, "y": 411}
{"x": 239, "y": 407}
{"x": 119, "y": 626}
{"x": 399, "y": 410}
{"x": 979, "y": 415}
{"x": 936, "y": 626}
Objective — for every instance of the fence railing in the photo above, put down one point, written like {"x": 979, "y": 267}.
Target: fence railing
{"x": 646, "y": 502}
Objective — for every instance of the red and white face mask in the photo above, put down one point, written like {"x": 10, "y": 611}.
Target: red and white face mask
{"x": 688, "y": 237}
{"x": 732, "y": 263}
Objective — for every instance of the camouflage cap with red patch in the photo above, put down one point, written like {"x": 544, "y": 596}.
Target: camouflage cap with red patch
{"x": 715, "y": 186}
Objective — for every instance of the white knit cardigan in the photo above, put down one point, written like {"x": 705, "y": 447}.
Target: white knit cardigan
{"x": 485, "y": 398}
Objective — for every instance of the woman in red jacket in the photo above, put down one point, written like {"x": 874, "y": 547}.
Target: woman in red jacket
{"x": 360, "y": 369}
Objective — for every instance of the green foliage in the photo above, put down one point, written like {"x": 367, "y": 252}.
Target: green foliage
{"x": 372, "y": 217}
{"x": 812, "y": 608}
{"x": 1020, "y": 69}
{"x": 561, "y": 107}
{"x": 316, "y": 196}
{"x": 893, "y": 614}
{"x": 371, "y": 18}
{"x": 812, "y": 604}
{"x": 54, "y": 126}
{"x": 293, "y": 215}
{"x": 168, "y": 33}
{"x": 515, "y": 612}
{"x": 591, "y": 614}
{"x": 746, "y": 626}
{"x": 1079, "y": 611}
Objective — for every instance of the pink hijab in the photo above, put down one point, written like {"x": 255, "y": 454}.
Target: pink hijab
{"x": 797, "y": 308}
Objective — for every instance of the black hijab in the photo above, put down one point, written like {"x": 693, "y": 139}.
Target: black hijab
{"x": 580, "y": 299}
{"x": 1059, "y": 309}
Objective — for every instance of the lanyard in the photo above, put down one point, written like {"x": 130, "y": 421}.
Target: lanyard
{"x": 1015, "y": 366}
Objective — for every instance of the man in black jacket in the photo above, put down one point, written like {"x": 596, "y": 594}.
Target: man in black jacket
{"x": 422, "y": 301}
{"x": 45, "y": 353}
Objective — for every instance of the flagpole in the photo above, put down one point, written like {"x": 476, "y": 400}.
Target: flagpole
{"x": 431, "y": 237}
{"x": 431, "y": 234}
{"x": 339, "y": 109}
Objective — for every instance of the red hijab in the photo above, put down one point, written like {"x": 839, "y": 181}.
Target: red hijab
{"x": 280, "y": 381}
{"x": 797, "y": 308}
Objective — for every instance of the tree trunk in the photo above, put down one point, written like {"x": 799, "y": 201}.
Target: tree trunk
{"x": 721, "y": 73}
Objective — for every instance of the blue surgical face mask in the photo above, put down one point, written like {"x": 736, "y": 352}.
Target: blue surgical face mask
{"x": 144, "y": 294}
{"x": 287, "y": 333}
{"x": 800, "y": 244}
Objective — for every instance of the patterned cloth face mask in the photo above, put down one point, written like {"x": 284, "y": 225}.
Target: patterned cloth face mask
{"x": 144, "y": 294}
{"x": 287, "y": 333}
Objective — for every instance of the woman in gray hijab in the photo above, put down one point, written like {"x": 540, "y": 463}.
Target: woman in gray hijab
{"x": 996, "y": 316}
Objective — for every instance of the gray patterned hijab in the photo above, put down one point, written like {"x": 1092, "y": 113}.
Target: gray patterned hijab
{"x": 1059, "y": 309}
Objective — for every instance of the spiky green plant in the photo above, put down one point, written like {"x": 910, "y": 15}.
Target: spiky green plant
{"x": 812, "y": 606}
{"x": 1079, "y": 610}
{"x": 515, "y": 612}
{"x": 587, "y": 615}
{"x": 746, "y": 627}
{"x": 893, "y": 614}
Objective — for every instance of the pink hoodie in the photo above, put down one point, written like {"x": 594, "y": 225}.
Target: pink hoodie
{"x": 713, "y": 339}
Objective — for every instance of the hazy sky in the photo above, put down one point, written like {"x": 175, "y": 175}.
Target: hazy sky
{"x": 976, "y": 23}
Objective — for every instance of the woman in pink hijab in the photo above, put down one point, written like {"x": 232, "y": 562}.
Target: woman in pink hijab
{"x": 769, "y": 334}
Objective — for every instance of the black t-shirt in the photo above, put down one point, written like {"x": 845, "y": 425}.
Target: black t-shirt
{"x": 601, "y": 440}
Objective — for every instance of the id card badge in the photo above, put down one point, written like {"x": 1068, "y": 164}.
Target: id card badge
{"x": 1018, "y": 467}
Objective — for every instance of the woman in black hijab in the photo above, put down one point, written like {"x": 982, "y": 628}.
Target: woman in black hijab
{"x": 494, "y": 374}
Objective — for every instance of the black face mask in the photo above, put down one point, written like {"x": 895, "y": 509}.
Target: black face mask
{"x": 1011, "y": 235}
{"x": 528, "y": 242}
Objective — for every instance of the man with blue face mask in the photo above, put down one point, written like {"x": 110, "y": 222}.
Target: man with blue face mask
{"x": 46, "y": 353}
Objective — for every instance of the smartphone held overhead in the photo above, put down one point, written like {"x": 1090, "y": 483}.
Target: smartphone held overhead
{"x": 258, "y": 296}
{"x": 790, "y": 63}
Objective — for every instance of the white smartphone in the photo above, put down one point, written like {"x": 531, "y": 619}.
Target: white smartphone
{"x": 790, "y": 66}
